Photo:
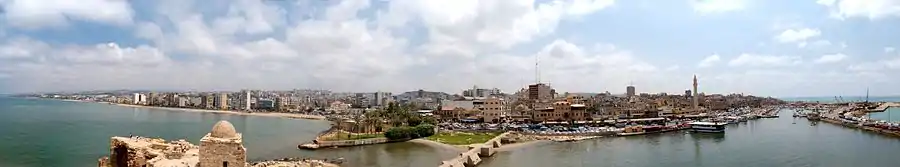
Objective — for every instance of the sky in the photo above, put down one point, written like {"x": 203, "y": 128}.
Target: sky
{"x": 759, "y": 47}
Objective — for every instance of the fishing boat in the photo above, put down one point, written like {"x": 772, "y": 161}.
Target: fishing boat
{"x": 708, "y": 127}
{"x": 814, "y": 116}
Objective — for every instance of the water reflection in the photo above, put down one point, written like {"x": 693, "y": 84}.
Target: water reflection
{"x": 715, "y": 137}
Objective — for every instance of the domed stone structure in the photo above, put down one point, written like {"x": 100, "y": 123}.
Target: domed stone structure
{"x": 223, "y": 129}
{"x": 222, "y": 147}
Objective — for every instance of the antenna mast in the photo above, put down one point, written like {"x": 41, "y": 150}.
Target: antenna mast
{"x": 537, "y": 70}
{"x": 867, "y": 94}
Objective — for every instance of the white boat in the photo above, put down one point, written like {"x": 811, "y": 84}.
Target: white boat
{"x": 708, "y": 127}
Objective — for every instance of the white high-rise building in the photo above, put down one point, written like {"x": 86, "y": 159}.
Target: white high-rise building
{"x": 245, "y": 100}
{"x": 139, "y": 98}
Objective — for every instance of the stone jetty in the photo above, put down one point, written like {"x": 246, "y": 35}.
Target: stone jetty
{"x": 473, "y": 156}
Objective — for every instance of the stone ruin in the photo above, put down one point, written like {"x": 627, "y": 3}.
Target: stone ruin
{"x": 222, "y": 147}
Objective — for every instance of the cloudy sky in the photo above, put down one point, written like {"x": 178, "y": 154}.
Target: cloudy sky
{"x": 763, "y": 47}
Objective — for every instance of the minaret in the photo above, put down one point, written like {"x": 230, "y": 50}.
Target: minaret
{"x": 696, "y": 100}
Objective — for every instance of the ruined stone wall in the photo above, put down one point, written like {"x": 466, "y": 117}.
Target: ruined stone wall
{"x": 124, "y": 155}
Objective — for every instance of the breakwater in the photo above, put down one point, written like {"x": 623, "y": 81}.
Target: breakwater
{"x": 316, "y": 144}
{"x": 473, "y": 156}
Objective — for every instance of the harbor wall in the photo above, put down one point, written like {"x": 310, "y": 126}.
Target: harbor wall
{"x": 472, "y": 157}
{"x": 343, "y": 143}
{"x": 862, "y": 127}
{"x": 569, "y": 134}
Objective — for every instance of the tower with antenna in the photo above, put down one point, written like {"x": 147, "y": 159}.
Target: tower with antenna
{"x": 537, "y": 70}
{"x": 867, "y": 94}
{"x": 696, "y": 100}
{"x": 629, "y": 90}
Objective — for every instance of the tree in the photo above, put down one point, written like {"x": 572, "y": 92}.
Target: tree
{"x": 429, "y": 120}
{"x": 425, "y": 130}
{"x": 414, "y": 120}
{"x": 405, "y": 132}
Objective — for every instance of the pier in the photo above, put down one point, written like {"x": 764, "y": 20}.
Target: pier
{"x": 885, "y": 106}
{"x": 473, "y": 156}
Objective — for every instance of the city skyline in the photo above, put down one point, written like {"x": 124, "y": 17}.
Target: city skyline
{"x": 763, "y": 48}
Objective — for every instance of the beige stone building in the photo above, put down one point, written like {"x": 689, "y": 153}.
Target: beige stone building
{"x": 456, "y": 110}
{"x": 222, "y": 101}
{"x": 494, "y": 110}
{"x": 222, "y": 147}
{"x": 562, "y": 111}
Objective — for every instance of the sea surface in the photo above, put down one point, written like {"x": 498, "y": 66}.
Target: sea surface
{"x": 891, "y": 114}
{"x": 51, "y": 133}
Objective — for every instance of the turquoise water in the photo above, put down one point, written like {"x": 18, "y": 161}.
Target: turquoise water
{"x": 891, "y": 114}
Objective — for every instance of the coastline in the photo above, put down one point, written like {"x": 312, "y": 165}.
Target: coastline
{"x": 265, "y": 114}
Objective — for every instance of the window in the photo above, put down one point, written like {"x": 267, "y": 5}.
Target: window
{"x": 224, "y": 164}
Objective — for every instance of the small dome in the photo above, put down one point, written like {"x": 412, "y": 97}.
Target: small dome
{"x": 223, "y": 129}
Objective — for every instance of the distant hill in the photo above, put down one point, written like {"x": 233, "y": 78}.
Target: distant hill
{"x": 423, "y": 93}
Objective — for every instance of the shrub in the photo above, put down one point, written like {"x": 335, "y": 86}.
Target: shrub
{"x": 400, "y": 133}
{"x": 403, "y": 133}
{"x": 425, "y": 130}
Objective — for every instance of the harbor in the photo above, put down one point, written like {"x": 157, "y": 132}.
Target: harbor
{"x": 852, "y": 115}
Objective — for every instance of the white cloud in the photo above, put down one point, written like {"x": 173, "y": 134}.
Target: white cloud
{"x": 717, "y": 6}
{"x": 756, "y": 60}
{"x": 820, "y": 44}
{"x": 673, "y": 68}
{"x": 828, "y": 3}
{"x": 498, "y": 24}
{"x": 36, "y": 14}
{"x": 252, "y": 17}
{"x": 889, "y": 50}
{"x": 797, "y": 35}
{"x": 892, "y": 63}
{"x": 709, "y": 60}
{"x": 831, "y": 58}
{"x": 872, "y": 9}
{"x": 397, "y": 45}
{"x": 336, "y": 51}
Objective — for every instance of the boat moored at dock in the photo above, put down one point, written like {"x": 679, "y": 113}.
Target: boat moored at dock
{"x": 708, "y": 127}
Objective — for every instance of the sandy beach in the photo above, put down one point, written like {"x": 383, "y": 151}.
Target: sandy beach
{"x": 266, "y": 114}
{"x": 516, "y": 146}
{"x": 438, "y": 145}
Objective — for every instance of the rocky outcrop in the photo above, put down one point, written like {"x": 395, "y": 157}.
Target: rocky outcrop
{"x": 141, "y": 152}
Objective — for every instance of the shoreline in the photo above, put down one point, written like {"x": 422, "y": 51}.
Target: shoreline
{"x": 264, "y": 114}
